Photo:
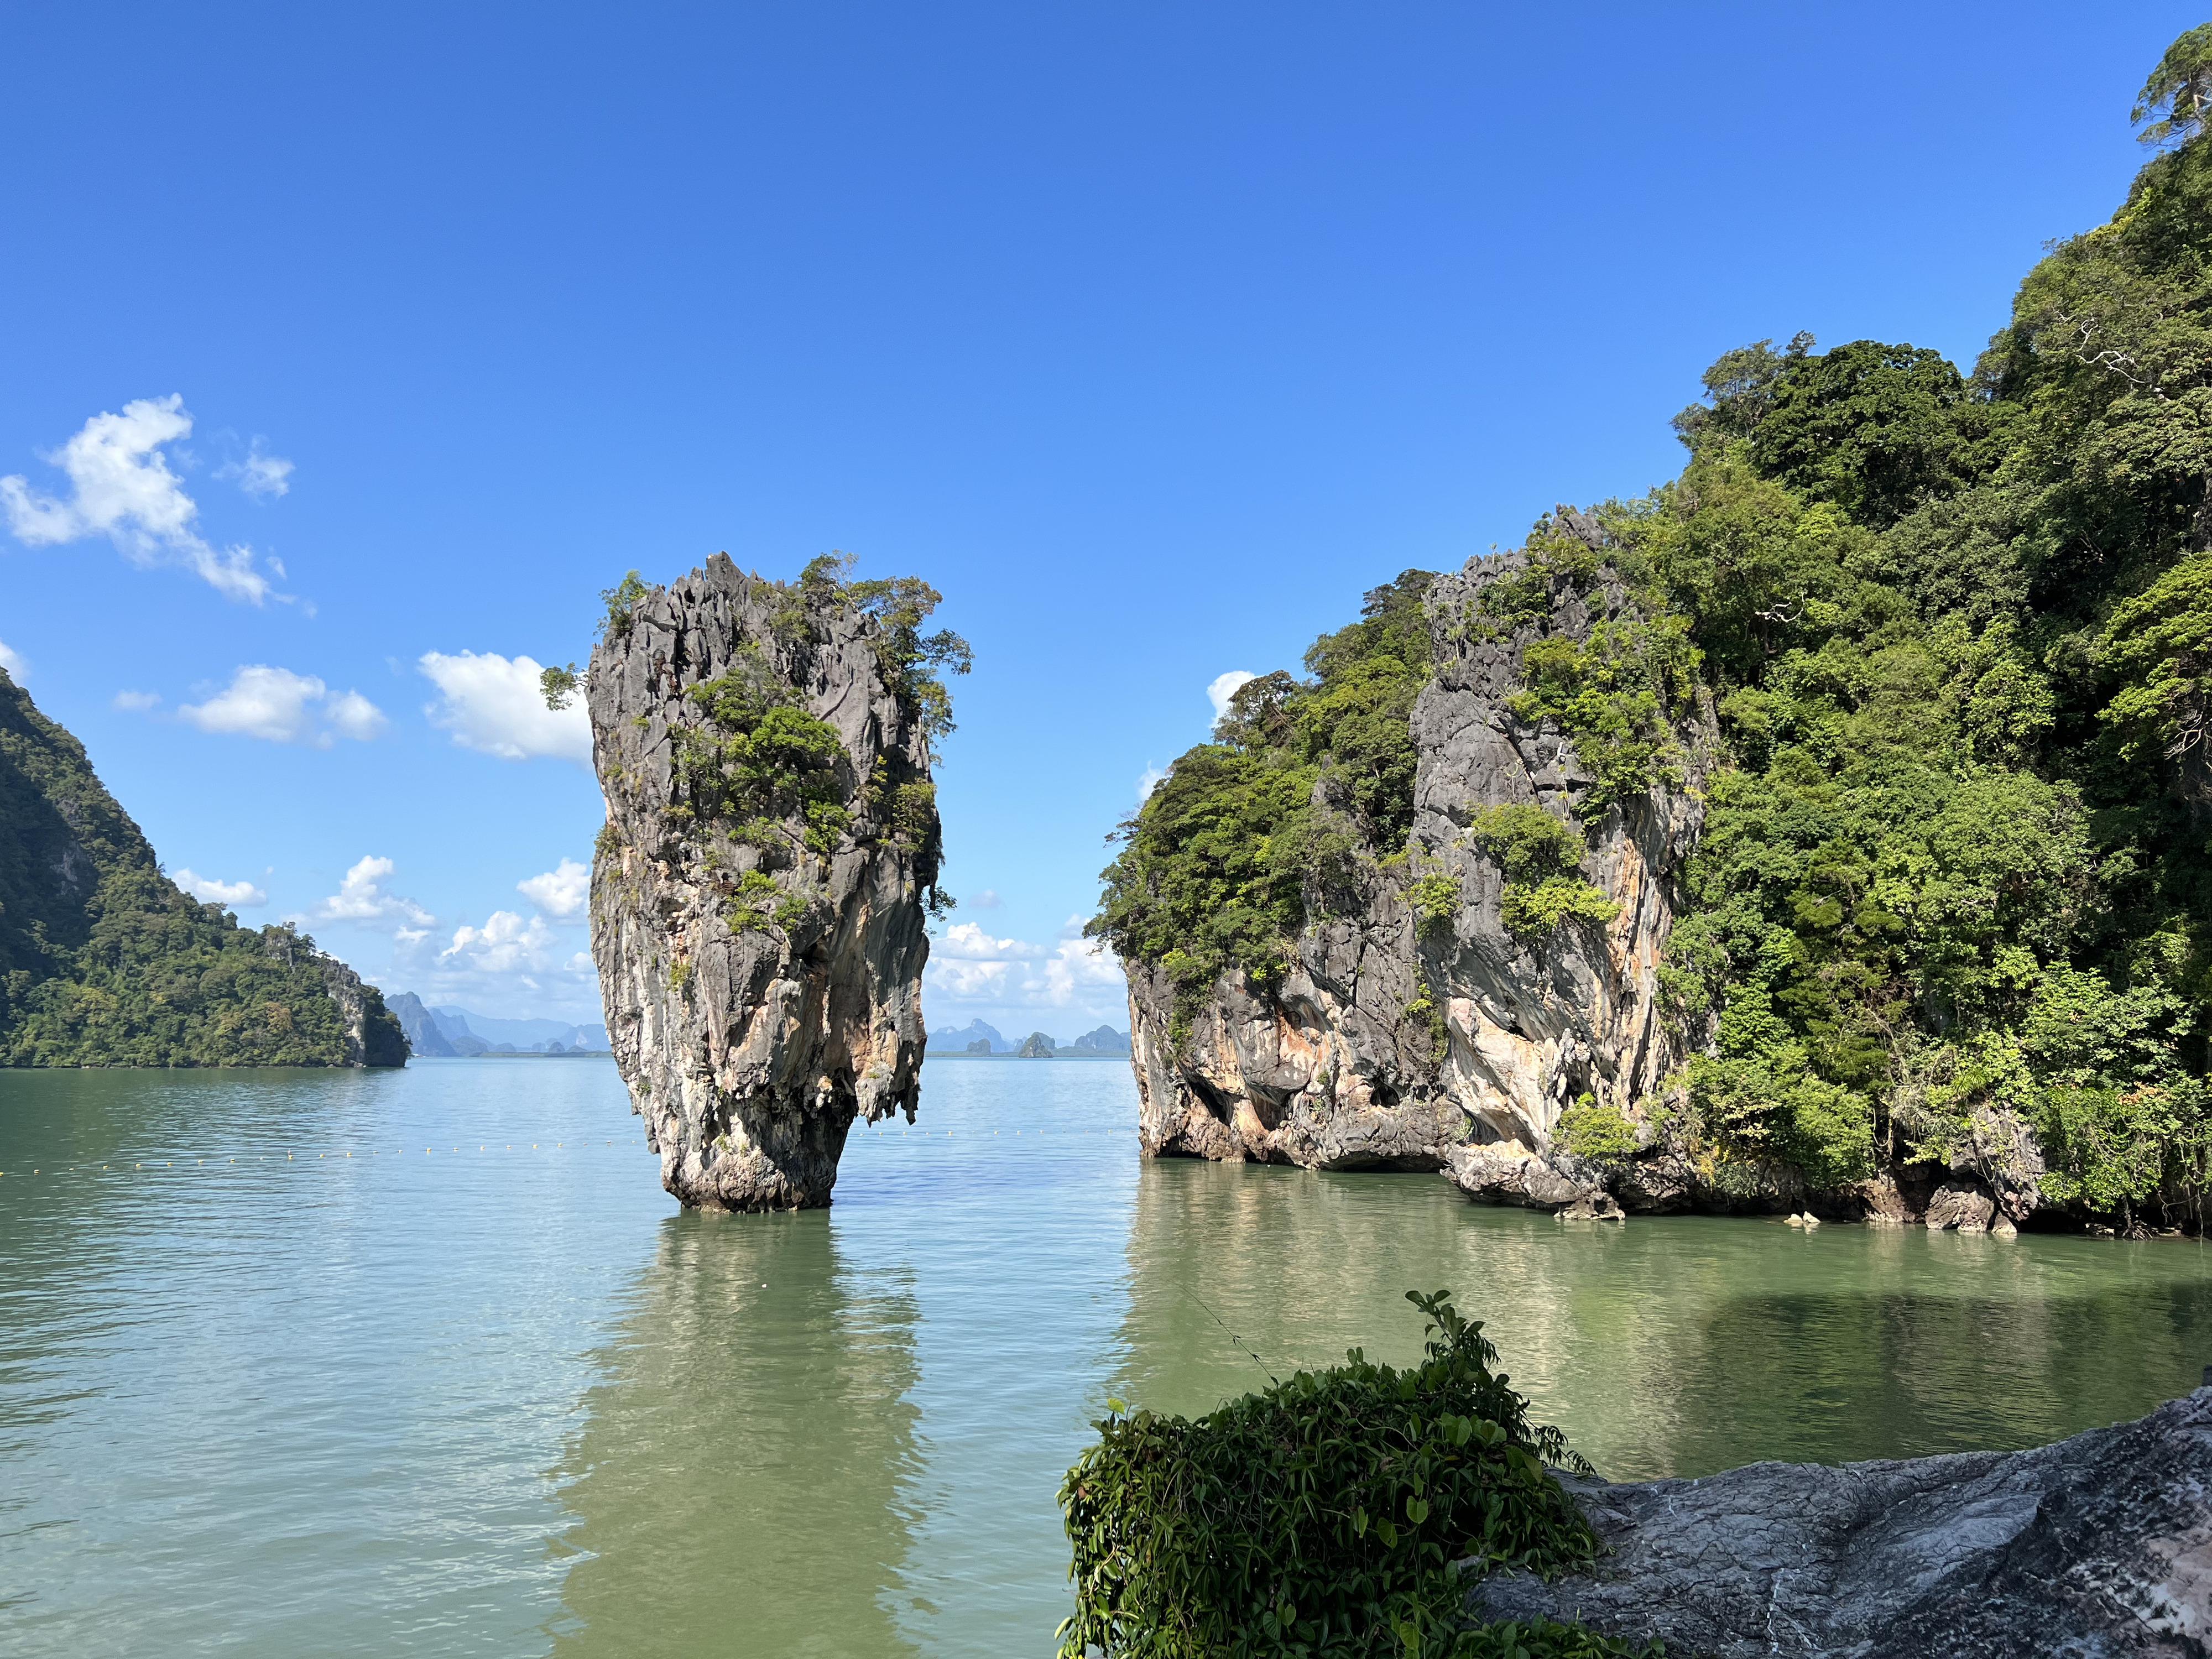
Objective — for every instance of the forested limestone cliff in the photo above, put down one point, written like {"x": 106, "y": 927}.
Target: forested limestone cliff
{"x": 760, "y": 889}
{"x": 105, "y": 962}
{"x": 1827, "y": 827}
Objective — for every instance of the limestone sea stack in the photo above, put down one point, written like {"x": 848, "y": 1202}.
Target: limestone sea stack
{"x": 760, "y": 892}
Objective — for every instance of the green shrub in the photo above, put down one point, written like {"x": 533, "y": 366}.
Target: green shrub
{"x": 1435, "y": 899}
{"x": 1320, "y": 1516}
{"x": 764, "y": 761}
{"x": 1538, "y": 855}
{"x": 1593, "y": 1131}
{"x": 1612, "y": 694}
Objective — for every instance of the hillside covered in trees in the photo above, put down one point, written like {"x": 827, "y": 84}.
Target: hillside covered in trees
{"x": 1931, "y": 646}
{"x": 103, "y": 961}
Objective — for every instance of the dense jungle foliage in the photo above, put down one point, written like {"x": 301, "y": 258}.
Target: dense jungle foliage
{"x": 1302, "y": 779}
{"x": 103, "y": 961}
{"x": 1957, "y": 861}
{"x": 1322, "y": 1517}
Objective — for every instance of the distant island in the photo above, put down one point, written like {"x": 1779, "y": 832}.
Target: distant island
{"x": 105, "y": 961}
{"x": 979, "y": 1039}
{"x": 444, "y": 1031}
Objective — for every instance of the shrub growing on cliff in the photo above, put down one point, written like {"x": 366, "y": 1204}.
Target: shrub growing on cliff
{"x": 1539, "y": 856}
{"x": 1321, "y": 1516}
{"x": 1218, "y": 867}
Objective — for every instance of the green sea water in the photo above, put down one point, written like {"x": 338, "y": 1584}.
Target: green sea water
{"x": 425, "y": 1363}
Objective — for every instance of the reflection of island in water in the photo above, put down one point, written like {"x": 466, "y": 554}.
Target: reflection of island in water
{"x": 737, "y": 1483}
{"x": 1667, "y": 1344}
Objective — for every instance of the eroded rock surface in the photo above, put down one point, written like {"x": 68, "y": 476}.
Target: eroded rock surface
{"x": 761, "y": 993}
{"x": 2091, "y": 1548}
{"x": 1388, "y": 1045}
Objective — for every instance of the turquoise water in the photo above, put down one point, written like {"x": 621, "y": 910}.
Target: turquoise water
{"x": 276, "y": 1380}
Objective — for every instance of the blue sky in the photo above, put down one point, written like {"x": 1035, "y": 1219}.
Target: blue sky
{"x": 1151, "y": 335}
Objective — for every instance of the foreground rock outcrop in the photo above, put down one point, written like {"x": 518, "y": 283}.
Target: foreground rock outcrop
{"x": 1390, "y": 1040}
{"x": 2094, "y": 1548}
{"x": 758, "y": 892}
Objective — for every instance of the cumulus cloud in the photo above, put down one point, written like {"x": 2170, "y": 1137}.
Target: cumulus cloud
{"x": 279, "y": 705}
{"x": 506, "y": 944}
{"x": 137, "y": 699}
{"x": 13, "y": 662}
{"x": 238, "y": 895}
{"x": 561, "y": 892}
{"x": 493, "y": 704}
{"x": 1078, "y": 970}
{"x": 986, "y": 900}
{"x": 969, "y": 968}
{"x": 354, "y": 716}
{"x": 1223, "y": 687}
{"x": 361, "y": 898}
{"x": 1152, "y": 778}
{"x": 964, "y": 941}
{"x": 120, "y": 487}
{"x": 260, "y": 474}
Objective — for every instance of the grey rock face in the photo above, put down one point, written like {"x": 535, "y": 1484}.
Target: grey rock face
{"x": 424, "y": 1037}
{"x": 750, "y": 1044}
{"x": 2094, "y": 1548}
{"x": 373, "y": 1036}
{"x": 1388, "y": 1045}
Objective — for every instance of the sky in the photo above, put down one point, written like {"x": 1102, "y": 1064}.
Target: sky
{"x": 347, "y": 353}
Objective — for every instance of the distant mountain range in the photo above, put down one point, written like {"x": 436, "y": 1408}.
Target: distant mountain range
{"x": 977, "y": 1038}
{"x": 446, "y": 1032}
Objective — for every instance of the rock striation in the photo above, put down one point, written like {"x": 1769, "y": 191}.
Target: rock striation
{"x": 2097, "y": 1547}
{"x": 757, "y": 894}
{"x": 1390, "y": 1043}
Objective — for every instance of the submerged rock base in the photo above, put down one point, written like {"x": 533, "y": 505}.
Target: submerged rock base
{"x": 2097, "y": 1546}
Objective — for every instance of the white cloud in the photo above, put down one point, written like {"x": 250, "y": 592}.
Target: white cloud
{"x": 986, "y": 900}
{"x": 493, "y": 704}
{"x": 506, "y": 944}
{"x": 360, "y": 897}
{"x": 137, "y": 699}
{"x": 1151, "y": 780}
{"x": 1003, "y": 976}
{"x": 13, "y": 662}
{"x": 968, "y": 981}
{"x": 260, "y": 474}
{"x": 354, "y": 716}
{"x": 1223, "y": 687}
{"x": 120, "y": 486}
{"x": 561, "y": 892}
{"x": 964, "y": 941}
{"x": 238, "y": 895}
{"x": 279, "y": 705}
{"x": 1078, "y": 970}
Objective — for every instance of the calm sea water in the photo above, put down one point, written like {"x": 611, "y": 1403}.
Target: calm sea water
{"x": 425, "y": 1363}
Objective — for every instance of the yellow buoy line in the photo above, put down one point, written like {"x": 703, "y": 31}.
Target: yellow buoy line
{"x": 340, "y": 1155}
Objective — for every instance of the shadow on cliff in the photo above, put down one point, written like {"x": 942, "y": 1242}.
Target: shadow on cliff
{"x": 740, "y": 1480}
